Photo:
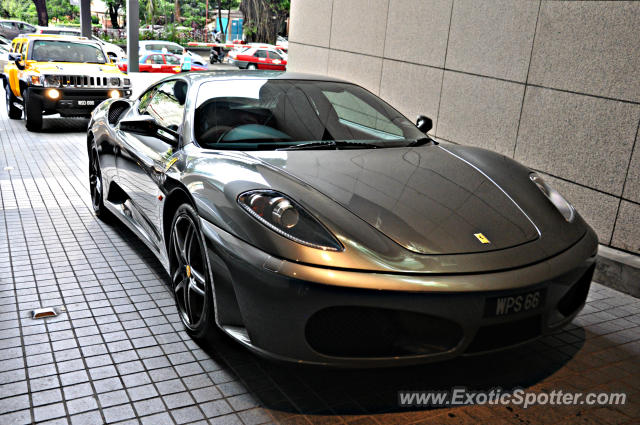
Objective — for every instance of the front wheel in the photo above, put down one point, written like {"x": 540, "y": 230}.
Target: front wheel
{"x": 33, "y": 111}
{"x": 12, "y": 110}
{"x": 95, "y": 186}
{"x": 190, "y": 274}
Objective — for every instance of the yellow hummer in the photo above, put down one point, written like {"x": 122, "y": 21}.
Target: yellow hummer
{"x": 52, "y": 74}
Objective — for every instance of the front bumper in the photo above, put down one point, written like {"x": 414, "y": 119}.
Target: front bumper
{"x": 316, "y": 315}
{"x": 75, "y": 101}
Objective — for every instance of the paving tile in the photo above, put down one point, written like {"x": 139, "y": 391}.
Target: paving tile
{"x": 50, "y": 411}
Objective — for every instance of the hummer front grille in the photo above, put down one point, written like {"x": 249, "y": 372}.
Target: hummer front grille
{"x": 84, "y": 81}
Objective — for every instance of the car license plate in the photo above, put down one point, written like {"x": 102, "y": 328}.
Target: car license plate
{"x": 86, "y": 102}
{"x": 514, "y": 304}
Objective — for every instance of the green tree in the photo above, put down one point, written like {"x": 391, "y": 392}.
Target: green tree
{"x": 264, "y": 18}
{"x": 20, "y": 10}
{"x": 113, "y": 7}
{"x": 41, "y": 11}
{"x": 63, "y": 10}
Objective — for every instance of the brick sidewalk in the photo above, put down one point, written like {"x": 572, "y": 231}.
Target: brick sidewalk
{"x": 119, "y": 352}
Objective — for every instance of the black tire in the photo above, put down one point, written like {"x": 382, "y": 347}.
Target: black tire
{"x": 33, "y": 112}
{"x": 252, "y": 67}
{"x": 13, "y": 111}
{"x": 96, "y": 187}
{"x": 190, "y": 275}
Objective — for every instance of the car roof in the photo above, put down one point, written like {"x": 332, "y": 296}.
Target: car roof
{"x": 204, "y": 76}
{"x": 55, "y": 37}
{"x": 145, "y": 42}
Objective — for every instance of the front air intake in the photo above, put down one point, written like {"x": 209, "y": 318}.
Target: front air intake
{"x": 365, "y": 332}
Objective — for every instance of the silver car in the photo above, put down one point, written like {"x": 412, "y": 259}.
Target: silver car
{"x": 311, "y": 222}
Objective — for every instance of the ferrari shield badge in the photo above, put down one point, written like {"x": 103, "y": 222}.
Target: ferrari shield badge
{"x": 482, "y": 238}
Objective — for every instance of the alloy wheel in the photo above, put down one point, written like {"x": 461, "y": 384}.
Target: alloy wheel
{"x": 95, "y": 181}
{"x": 189, "y": 281}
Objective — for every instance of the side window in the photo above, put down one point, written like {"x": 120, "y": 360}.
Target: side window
{"x": 172, "y": 60}
{"x": 144, "y": 100}
{"x": 157, "y": 59}
{"x": 274, "y": 55}
{"x": 176, "y": 50}
{"x": 167, "y": 104}
{"x": 23, "y": 50}
{"x": 356, "y": 113}
{"x": 260, "y": 54}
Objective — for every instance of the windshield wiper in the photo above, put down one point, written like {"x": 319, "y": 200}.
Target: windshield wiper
{"x": 422, "y": 141}
{"x": 331, "y": 144}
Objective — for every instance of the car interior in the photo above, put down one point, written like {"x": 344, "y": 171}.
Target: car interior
{"x": 283, "y": 113}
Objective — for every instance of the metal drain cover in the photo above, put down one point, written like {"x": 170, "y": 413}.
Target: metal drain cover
{"x": 41, "y": 313}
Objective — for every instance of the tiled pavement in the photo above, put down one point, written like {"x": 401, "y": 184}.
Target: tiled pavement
{"x": 119, "y": 354}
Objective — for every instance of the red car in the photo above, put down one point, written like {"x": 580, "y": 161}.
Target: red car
{"x": 259, "y": 58}
{"x": 161, "y": 62}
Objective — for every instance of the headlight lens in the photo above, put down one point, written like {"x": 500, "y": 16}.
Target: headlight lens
{"x": 288, "y": 219}
{"x": 52, "y": 81}
{"x": 565, "y": 208}
{"x": 114, "y": 81}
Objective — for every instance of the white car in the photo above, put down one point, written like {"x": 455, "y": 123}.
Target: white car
{"x": 116, "y": 53}
{"x": 147, "y": 46}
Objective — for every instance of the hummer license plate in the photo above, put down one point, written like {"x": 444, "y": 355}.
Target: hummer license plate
{"x": 86, "y": 102}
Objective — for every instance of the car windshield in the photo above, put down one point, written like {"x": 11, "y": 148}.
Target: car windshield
{"x": 267, "y": 114}
{"x": 66, "y": 51}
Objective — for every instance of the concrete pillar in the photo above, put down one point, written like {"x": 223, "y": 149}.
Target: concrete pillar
{"x": 133, "y": 33}
{"x": 85, "y": 18}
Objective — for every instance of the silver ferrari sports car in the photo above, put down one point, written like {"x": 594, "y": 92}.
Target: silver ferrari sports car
{"x": 311, "y": 222}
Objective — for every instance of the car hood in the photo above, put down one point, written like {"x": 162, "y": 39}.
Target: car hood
{"x": 425, "y": 199}
{"x": 76, "y": 68}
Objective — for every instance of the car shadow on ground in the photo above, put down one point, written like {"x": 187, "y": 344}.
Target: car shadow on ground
{"x": 299, "y": 389}
{"x": 64, "y": 125}
{"x": 312, "y": 390}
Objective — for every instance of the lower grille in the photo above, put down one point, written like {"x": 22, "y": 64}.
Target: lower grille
{"x": 505, "y": 334}
{"x": 352, "y": 331}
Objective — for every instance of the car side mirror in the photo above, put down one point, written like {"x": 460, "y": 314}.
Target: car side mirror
{"x": 17, "y": 58}
{"x": 146, "y": 125}
{"x": 424, "y": 123}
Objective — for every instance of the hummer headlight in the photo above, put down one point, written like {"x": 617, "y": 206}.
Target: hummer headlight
{"x": 37, "y": 80}
{"x": 114, "y": 81}
{"x": 52, "y": 81}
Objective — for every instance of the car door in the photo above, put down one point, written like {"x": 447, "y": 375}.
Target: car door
{"x": 275, "y": 61}
{"x": 143, "y": 160}
{"x": 261, "y": 59}
{"x": 172, "y": 64}
{"x": 156, "y": 61}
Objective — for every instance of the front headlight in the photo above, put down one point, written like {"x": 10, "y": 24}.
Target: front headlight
{"x": 565, "y": 208}
{"x": 114, "y": 81}
{"x": 285, "y": 217}
{"x": 37, "y": 80}
{"x": 52, "y": 81}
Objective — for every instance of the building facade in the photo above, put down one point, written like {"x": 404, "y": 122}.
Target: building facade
{"x": 553, "y": 84}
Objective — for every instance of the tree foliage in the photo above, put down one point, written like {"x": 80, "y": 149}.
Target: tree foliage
{"x": 263, "y": 19}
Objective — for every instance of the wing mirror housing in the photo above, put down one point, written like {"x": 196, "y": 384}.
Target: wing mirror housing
{"x": 146, "y": 125}
{"x": 424, "y": 123}
{"x": 17, "y": 58}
